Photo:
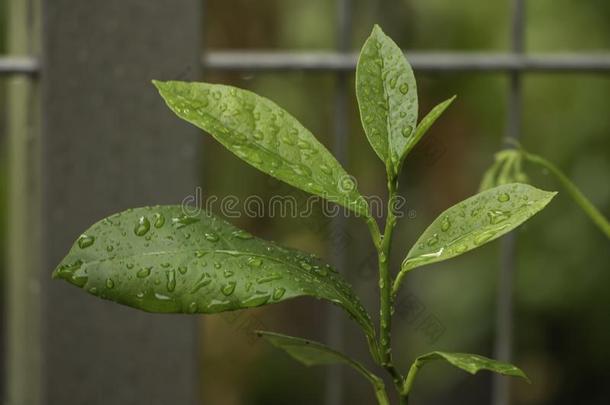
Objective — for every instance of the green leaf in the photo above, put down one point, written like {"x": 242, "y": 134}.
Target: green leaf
{"x": 426, "y": 123}
{"x": 264, "y": 135}
{"x": 474, "y": 222}
{"x": 470, "y": 363}
{"x": 312, "y": 353}
{"x": 387, "y": 98}
{"x": 160, "y": 260}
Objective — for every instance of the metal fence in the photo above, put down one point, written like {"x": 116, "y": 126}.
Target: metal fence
{"x": 515, "y": 64}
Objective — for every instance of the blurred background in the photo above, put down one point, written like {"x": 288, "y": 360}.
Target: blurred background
{"x": 561, "y": 300}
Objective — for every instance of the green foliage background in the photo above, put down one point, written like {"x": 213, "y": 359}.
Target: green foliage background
{"x": 562, "y": 304}
{"x": 562, "y": 321}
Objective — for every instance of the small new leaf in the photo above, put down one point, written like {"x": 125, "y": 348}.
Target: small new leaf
{"x": 474, "y": 222}
{"x": 425, "y": 124}
{"x": 387, "y": 98}
{"x": 264, "y": 135}
{"x": 160, "y": 260}
{"x": 312, "y": 353}
{"x": 470, "y": 363}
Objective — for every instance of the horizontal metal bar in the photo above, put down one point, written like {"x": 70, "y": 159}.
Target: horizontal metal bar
{"x": 330, "y": 61}
{"x": 10, "y": 65}
{"x": 423, "y": 61}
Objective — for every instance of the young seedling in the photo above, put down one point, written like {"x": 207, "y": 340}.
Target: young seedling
{"x": 159, "y": 259}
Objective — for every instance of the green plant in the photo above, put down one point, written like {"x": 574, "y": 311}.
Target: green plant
{"x": 159, "y": 259}
{"x": 508, "y": 168}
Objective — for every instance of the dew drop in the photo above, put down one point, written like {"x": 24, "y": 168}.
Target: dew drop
{"x": 192, "y": 307}
{"x": 255, "y": 262}
{"x": 211, "y": 236}
{"x": 228, "y": 288}
{"x": 404, "y": 88}
{"x": 278, "y": 293}
{"x": 241, "y": 234}
{"x": 158, "y": 220}
{"x": 433, "y": 240}
{"x": 445, "y": 224}
{"x": 171, "y": 280}
{"x": 497, "y": 216}
{"x": 144, "y": 272}
{"x": 162, "y": 297}
{"x": 183, "y": 220}
{"x": 406, "y": 131}
{"x": 305, "y": 266}
{"x": 109, "y": 283}
{"x": 182, "y": 269}
{"x": 322, "y": 271}
{"x": 504, "y": 197}
{"x": 142, "y": 227}
{"x": 84, "y": 241}
{"x": 258, "y": 299}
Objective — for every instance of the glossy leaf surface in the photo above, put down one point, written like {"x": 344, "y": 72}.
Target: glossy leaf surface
{"x": 311, "y": 353}
{"x": 160, "y": 260}
{"x": 425, "y": 124}
{"x": 471, "y": 363}
{"x": 264, "y": 135}
{"x": 476, "y": 221}
{"x": 387, "y": 98}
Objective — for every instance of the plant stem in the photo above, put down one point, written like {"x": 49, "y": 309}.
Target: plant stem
{"x": 385, "y": 286}
{"x": 383, "y": 244}
{"x": 589, "y": 209}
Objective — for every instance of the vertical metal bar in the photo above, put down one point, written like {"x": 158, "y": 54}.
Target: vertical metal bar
{"x": 23, "y": 354}
{"x": 109, "y": 143}
{"x": 334, "y": 325}
{"x": 504, "y": 310}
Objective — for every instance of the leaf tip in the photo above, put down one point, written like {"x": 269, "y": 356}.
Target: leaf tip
{"x": 157, "y": 83}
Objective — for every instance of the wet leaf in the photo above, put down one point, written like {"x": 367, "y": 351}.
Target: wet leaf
{"x": 426, "y": 123}
{"x": 471, "y": 363}
{"x": 387, "y": 98}
{"x": 312, "y": 353}
{"x": 160, "y": 260}
{"x": 264, "y": 135}
{"x": 474, "y": 222}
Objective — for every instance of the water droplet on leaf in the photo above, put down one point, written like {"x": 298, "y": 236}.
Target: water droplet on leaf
{"x": 228, "y": 288}
{"x": 142, "y": 227}
{"x": 504, "y": 197}
{"x": 278, "y": 293}
{"x": 84, "y": 241}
